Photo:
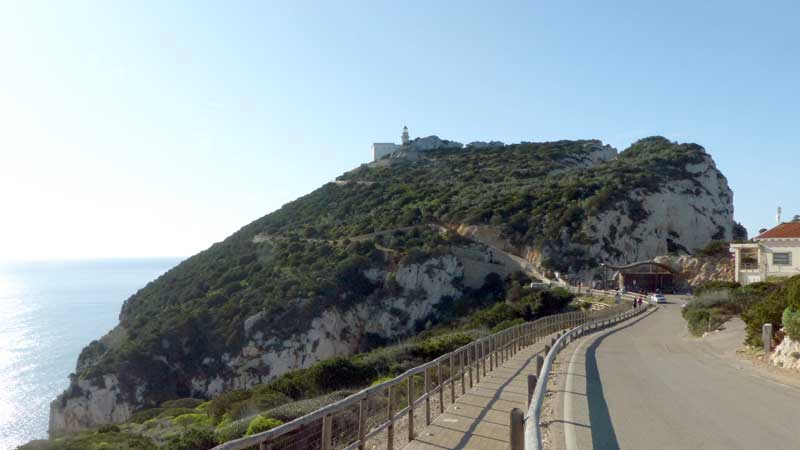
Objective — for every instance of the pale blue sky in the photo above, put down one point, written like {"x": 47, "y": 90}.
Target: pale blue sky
{"x": 157, "y": 128}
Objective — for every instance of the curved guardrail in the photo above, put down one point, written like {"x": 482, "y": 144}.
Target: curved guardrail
{"x": 349, "y": 423}
{"x": 533, "y": 436}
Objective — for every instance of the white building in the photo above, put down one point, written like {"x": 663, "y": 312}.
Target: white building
{"x": 773, "y": 253}
{"x": 381, "y": 149}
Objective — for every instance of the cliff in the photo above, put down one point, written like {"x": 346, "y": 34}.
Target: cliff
{"x": 382, "y": 253}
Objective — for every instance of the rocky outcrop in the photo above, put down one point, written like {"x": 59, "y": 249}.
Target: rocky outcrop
{"x": 693, "y": 271}
{"x": 89, "y": 405}
{"x": 433, "y": 143}
{"x": 679, "y": 217}
{"x": 786, "y": 354}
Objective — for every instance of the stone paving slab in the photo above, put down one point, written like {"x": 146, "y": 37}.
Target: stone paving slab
{"x": 478, "y": 420}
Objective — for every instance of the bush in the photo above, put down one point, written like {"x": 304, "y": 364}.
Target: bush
{"x": 291, "y": 411}
{"x": 770, "y": 310}
{"x": 146, "y": 414}
{"x": 701, "y": 320}
{"x": 260, "y": 424}
{"x": 715, "y": 286}
{"x": 182, "y": 403}
{"x": 791, "y": 322}
{"x": 222, "y": 403}
{"x": 715, "y": 248}
{"x": 507, "y": 324}
{"x": 191, "y": 420}
{"x": 194, "y": 439}
{"x": 264, "y": 397}
{"x": 230, "y": 430}
{"x": 490, "y": 317}
{"x": 338, "y": 373}
{"x": 439, "y": 345}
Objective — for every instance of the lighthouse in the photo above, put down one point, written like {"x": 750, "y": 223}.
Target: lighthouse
{"x": 404, "y": 140}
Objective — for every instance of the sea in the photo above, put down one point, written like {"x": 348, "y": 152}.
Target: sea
{"x": 48, "y": 312}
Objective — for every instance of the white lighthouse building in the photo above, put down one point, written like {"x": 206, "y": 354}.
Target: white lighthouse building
{"x": 381, "y": 149}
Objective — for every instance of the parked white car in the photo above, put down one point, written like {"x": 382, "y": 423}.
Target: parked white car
{"x": 658, "y": 298}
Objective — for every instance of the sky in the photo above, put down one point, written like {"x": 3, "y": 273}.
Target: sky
{"x": 139, "y": 129}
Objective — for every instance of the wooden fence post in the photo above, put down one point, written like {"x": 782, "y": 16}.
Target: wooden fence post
{"x": 517, "y": 427}
{"x": 441, "y": 386}
{"x": 327, "y": 428}
{"x": 362, "y": 423}
{"x": 461, "y": 372}
{"x": 766, "y": 336}
{"x": 427, "y": 397}
{"x": 390, "y": 417}
{"x": 411, "y": 408}
{"x": 478, "y": 358}
{"x": 531, "y": 387}
{"x": 469, "y": 365}
{"x": 452, "y": 382}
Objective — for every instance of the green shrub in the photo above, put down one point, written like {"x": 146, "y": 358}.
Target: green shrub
{"x": 338, "y": 373}
{"x": 293, "y": 410}
{"x": 192, "y": 419}
{"x": 260, "y": 424}
{"x": 380, "y": 380}
{"x": 146, "y": 414}
{"x": 229, "y": 430}
{"x": 223, "y": 402}
{"x": 715, "y": 286}
{"x": 490, "y": 317}
{"x": 701, "y": 320}
{"x": 769, "y": 310}
{"x": 715, "y": 248}
{"x": 264, "y": 397}
{"x": 439, "y": 345}
{"x": 204, "y": 406}
{"x": 507, "y": 324}
{"x": 193, "y": 439}
{"x": 182, "y": 403}
{"x": 175, "y": 412}
{"x": 791, "y": 322}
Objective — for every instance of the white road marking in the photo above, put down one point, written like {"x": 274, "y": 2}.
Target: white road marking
{"x": 569, "y": 387}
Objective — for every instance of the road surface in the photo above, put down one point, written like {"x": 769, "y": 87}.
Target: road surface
{"x": 646, "y": 384}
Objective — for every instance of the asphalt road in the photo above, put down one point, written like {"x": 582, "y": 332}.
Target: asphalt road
{"x": 647, "y": 385}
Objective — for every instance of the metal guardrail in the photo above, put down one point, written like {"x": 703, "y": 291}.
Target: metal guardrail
{"x": 532, "y": 420}
{"x": 418, "y": 394}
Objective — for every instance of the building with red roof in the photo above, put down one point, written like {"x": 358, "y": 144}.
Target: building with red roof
{"x": 773, "y": 253}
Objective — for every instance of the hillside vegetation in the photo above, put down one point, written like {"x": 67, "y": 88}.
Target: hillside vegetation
{"x": 776, "y": 302}
{"x": 315, "y": 253}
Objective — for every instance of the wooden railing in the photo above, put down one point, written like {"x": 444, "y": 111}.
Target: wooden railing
{"x": 418, "y": 395}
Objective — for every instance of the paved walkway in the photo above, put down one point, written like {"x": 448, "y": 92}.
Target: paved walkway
{"x": 478, "y": 420}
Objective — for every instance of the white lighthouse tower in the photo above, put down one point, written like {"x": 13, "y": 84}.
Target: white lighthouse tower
{"x": 404, "y": 139}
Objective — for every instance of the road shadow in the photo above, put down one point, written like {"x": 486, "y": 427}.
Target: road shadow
{"x": 603, "y": 434}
